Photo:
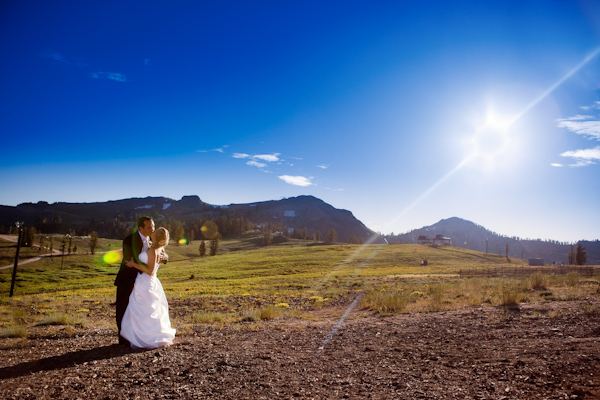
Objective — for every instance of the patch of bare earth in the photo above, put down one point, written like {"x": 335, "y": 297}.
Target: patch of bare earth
{"x": 541, "y": 351}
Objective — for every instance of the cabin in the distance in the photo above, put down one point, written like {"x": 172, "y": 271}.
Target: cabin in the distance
{"x": 438, "y": 239}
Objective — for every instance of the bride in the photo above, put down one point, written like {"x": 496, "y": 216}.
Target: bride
{"x": 146, "y": 321}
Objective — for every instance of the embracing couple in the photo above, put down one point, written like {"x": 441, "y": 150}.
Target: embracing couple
{"x": 142, "y": 308}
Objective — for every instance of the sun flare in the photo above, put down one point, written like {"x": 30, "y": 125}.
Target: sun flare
{"x": 491, "y": 140}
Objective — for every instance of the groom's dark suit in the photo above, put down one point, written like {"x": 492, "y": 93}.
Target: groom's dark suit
{"x": 132, "y": 247}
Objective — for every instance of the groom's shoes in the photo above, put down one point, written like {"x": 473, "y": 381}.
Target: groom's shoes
{"x": 123, "y": 341}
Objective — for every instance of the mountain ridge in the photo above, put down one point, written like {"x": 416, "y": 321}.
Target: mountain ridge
{"x": 114, "y": 217}
{"x": 302, "y": 214}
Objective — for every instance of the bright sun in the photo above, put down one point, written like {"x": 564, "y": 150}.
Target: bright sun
{"x": 491, "y": 140}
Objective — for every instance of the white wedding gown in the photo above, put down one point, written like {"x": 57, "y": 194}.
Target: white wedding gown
{"x": 146, "y": 321}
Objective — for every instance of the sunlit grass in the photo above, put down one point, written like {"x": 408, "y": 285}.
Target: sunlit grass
{"x": 291, "y": 280}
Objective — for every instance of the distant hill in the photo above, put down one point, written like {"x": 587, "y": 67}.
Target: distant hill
{"x": 469, "y": 235}
{"x": 113, "y": 219}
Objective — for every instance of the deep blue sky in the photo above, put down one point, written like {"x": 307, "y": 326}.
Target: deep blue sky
{"x": 374, "y": 107}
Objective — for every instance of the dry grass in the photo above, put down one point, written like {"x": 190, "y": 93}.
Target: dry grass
{"x": 537, "y": 281}
{"x": 61, "y": 318}
{"x": 476, "y": 292}
{"x": 388, "y": 302}
{"x": 208, "y": 317}
{"x": 13, "y": 331}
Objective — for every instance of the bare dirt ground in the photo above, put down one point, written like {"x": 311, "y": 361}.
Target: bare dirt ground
{"x": 535, "y": 351}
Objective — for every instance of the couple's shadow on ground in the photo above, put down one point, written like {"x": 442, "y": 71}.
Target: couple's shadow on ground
{"x": 65, "y": 361}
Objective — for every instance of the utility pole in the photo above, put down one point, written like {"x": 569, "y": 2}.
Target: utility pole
{"x": 14, "y": 274}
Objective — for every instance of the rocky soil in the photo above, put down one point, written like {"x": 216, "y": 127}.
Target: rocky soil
{"x": 535, "y": 351}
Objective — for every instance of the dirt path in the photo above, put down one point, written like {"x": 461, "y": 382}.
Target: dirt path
{"x": 11, "y": 238}
{"x": 537, "y": 351}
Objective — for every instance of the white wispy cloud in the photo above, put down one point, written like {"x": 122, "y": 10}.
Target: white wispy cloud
{"x": 587, "y": 126}
{"x": 296, "y": 180}
{"x": 596, "y": 105}
{"x": 323, "y": 166}
{"x": 267, "y": 157}
{"x": 583, "y": 157}
{"x": 114, "y": 76}
{"x": 590, "y": 128}
{"x": 218, "y": 150}
{"x": 57, "y": 57}
{"x": 257, "y": 159}
{"x": 578, "y": 117}
{"x": 257, "y": 164}
{"x": 557, "y": 165}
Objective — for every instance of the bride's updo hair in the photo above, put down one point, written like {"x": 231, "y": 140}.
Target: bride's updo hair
{"x": 162, "y": 237}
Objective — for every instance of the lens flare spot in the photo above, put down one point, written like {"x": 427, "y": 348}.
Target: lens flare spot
{"x": 210, "y": 230}
{"x": 112, "y": 257}
{"x": 183, "y": 241}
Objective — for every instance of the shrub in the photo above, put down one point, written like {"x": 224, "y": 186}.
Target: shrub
{"x": 388, "y": 302}
{"x": 250, "y": 316}
{"x": 269, "y": 312}
{"x": 13, "y": 331}
{"x": 538, "y": 281}
{"x": 436, "y": 292}
{"x": 61, "y": 318}
{"x": 207, "y": 317}
{"x": 56, "y": 318}
{"x": 572, "y": 278}
{"x": 510, "y": 294}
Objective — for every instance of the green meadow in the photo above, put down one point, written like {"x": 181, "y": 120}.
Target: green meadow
{"x": 249, "y": 283}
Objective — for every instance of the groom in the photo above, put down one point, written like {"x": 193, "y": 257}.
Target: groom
{"x": 133, "y": 245}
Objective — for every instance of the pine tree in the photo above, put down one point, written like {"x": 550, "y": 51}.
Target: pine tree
{"x": 176, "y": 230}
{"x": 267, "y": 237}
{"x": 572, "y": 256}
{"x": 214, "y": 246}
{"x": 331, "y": 235}
{"x": 28, "y": 237}
{"x": 202, "y": 248}
{"x": 93, "y": 242}
{"x": 581, "y": 255}
{"x": 318, "y": 237}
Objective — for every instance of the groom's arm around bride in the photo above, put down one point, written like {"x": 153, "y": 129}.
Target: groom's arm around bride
{"x": 133, "y": 245}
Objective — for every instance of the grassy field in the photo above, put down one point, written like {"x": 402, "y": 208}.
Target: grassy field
{"x": 293, "y": 279}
